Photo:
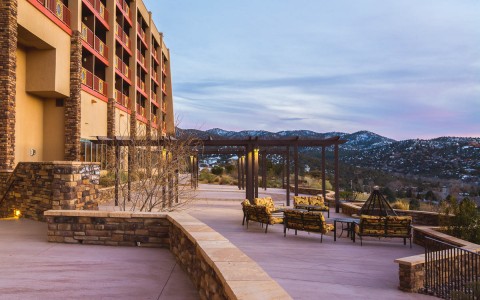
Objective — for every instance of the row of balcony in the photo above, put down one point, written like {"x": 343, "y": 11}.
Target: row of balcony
{"x": 122, "y": 35}
{"x": 58, "y": 9}
{"x": 140, "y": 83}
{"x": 122, "y": 99}
{"x": 122, "y": 67}
{"x": 93, "y": 82}
{"x": 125, "y": 8}
{"x": 99, "y": 8}
{"x": 94, "y": 41}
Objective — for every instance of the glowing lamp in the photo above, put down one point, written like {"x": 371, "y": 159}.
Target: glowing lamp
{"x": 17, "y": 213}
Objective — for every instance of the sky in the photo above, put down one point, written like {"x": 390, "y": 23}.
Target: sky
{"x": 402, "y": 69}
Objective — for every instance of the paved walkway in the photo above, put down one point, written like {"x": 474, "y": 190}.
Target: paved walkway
{"x": 32, "y": 268}
{"x": 304, "y": 267}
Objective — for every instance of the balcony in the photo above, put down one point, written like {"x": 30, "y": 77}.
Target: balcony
{"x": 125, "y": 9}
{"x": 140, "y": 84}
{"x": 93, "y": 82}
{"x": 154, "y": 76}
{"x": 122, "y": 67}
{"x": 141, "y": 110}
{"x": 94, "y": 41}
{"x": 100, "y": 10}
{"x": 142, "y": 35}
{"x": 155, "y": 55}
{"x": 122, "y": 36}
{"x": 164, "y": 88}
{"x": 164, "y": 70}
{"x": 141, "y": 59}
{"x": 122, "y": 99}
{"x": 58, "y": 9}
{"x": 164, "y": 107}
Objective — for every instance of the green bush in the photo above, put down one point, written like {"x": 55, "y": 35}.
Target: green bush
{"x": 465, "y": 224}
{"x": 217, "y": 170}
{"x": 206, "y": 176}
{"x": 414, "y": 204}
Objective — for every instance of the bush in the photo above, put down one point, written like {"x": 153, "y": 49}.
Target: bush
{"x": 399, "y": 204}
{"x": 217, "y": 170}
{"x": 466, "y": 221}
{"x": 206, "y": 176}
{"x": 414, "y": 204}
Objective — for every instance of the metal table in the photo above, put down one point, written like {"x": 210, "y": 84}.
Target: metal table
{"x": 347, "y": 224}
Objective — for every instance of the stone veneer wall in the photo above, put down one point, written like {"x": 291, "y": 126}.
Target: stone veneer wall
{"x": 8, "y": 78}
{"x": 72, "y": 108}
{"x": 418, "y": 217}
{"x": 218, "y": 269}
{"x": 35, "y": 187}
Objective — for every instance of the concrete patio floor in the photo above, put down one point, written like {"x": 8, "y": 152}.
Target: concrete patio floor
{"x": 304, "y": 267}
{"x": 32, "y": 268}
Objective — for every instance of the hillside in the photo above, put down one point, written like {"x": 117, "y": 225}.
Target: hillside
{"x": 444, "y": 157}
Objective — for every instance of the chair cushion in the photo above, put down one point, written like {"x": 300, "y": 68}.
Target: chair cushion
{"x": 267, "y": 201}
{"x": 299, "y": 200}
{"x": 316, "y": 200}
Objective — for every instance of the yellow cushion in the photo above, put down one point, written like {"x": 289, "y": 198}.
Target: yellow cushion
{"x": 245, "y": 202}
{"x": 316, "y": 200}
{"x": 299, "y": 200}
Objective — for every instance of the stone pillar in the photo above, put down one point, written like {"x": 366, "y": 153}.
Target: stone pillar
{"x": 73, "y": 103}
{"x": 8, "y": 65}
{"x": 111, "y": 133}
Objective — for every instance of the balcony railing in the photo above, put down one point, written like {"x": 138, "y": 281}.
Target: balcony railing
{"x": 141, "y": 32}
{"x": 124, "y": 6}
{"x": 94, "y": 41}
{"x": 155, "y": 54}
{"x": 122, "y": 99}
{"x": 141, "y": 110}
{"x": 93, "y": 82}
{"x": 164, "y": 107}
{"x": 140, "y": 84}
{"x": 164, "y": 70}
{"x": 99, "y": 8}
{"x": 141, "y": 58}
{"x": 122, "y": 35}
{"x": 154, "y": 119}
{"x": 164, "y": 88}
{"x": 154, "y": 97}
{"x": 58, "y": 9}
{"x": 122, "y": 67}
{"x": 154, "y": 75}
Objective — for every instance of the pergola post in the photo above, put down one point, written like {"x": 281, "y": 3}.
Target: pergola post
{"x": 117, "y": 169}
{"x": 337, "y": 193}
{"x": 264, "y": 169}
{"x": 295, "y": 163}
{"x": 324, "y": 184}
{"x": 288, "y": 175}
{"x": 249, "y": 173}
{"x": 255, "y": 171}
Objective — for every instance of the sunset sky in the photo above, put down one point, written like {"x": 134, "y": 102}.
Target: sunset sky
{"x": 402, "y": 69}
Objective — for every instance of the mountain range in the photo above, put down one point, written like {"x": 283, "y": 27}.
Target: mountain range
{"x": 443, "y": 157}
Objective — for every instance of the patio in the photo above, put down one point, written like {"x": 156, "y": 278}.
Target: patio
{"x": 304, "y": 267}
{"x": 32, "y": 268}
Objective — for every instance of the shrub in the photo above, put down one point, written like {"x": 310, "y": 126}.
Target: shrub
{"x": 206, "y": 176}
{"x": 399, "y": 204}
{"x": 217, "y": 170}
{"x": 465, "y": 224}
{"x": 414, "y": 204}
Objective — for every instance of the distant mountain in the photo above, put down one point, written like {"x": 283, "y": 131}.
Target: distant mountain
{"x": 443, "y": 157}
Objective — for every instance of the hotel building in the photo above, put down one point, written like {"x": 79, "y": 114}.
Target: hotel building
{"x": 72, "y": 70}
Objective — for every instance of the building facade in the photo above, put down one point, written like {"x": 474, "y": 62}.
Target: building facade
{"x": 72, "y": 70}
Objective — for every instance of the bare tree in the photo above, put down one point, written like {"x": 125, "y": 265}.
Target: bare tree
{"x": 155, "y": 172}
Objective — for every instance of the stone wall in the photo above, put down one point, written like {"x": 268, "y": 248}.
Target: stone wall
{"x": 218, "y": 269}
{"x": 72, "y": 109}
{"x": 109, "y": 228}
{"x": 35, "y": 187}
{"x": 8, "y": 65}
{"x": 418, "y": 217}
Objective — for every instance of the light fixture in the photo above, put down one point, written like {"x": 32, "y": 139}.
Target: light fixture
{"x": 17, "y": 213}
{"x": 94, "y": 101}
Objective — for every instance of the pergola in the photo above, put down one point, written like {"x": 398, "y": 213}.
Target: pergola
{"x": 248, "y": 151}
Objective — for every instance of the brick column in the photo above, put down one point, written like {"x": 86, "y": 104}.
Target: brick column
{"x": 111, "y": 133}
{"x": 73, "y": 103}
{"x": 8, "y": 65}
